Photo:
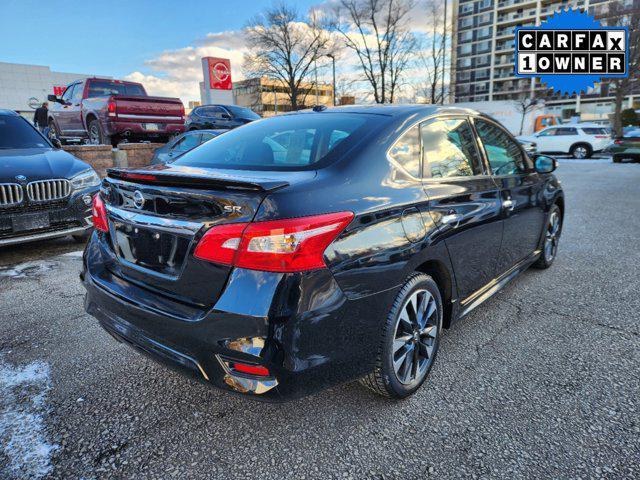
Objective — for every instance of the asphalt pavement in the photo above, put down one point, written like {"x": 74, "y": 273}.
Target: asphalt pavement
{"x": 542, "y": 381}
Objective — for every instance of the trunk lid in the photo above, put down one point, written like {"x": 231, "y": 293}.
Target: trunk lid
{"x": 157, "y": 216}
{"x": 157, "y": 108}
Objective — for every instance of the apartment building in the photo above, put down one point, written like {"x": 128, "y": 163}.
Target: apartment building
{"x": 269, "y": 96}
{"x": 482, "y": 59}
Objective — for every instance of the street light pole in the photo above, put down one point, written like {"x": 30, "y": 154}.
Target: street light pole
{"x": 333, "y": 60}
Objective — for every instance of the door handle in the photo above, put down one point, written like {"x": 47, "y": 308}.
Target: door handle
{"x": 508, "y": 204}
{"x": 450, "y": 218}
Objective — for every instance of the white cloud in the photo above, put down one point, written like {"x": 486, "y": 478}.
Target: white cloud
{"x": 177, "y": 73}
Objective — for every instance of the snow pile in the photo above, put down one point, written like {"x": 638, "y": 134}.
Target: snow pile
{"x": 24, "y": 449}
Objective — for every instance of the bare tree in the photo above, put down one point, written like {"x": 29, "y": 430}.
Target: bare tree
{"x": 433, "y": 57}
{"x": 285, "y": 45}
{"x": 377, "y": 32}
{"x": 622, "y": 13}
{"x": 525, "y": 105}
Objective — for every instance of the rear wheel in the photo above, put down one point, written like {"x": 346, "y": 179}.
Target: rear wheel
{"x": 96, "y": 135}
{"x": 617, "y": 159}
{"x": 551, "y": 238}
{"x": 82, "y": 238}
{"x": 581, "y": 150}
{"x": 410, "y": 339}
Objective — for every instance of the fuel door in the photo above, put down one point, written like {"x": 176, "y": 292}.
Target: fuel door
{"x": 413, "y": 225}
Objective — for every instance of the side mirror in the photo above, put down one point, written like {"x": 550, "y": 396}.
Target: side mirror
{"x": 56, "y": 142}
{"x": 545, "y": 164}
{"x": 53, "y": 98}
{"x": 226, "y": 116}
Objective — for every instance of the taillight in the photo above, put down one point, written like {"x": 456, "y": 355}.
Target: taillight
{"x": 111, "y": 107}
{"x": 291, "y": 245}
{"x": 618, "y": 142}
{"x": 251, "y": 369}
{"x": 99, "y": 214}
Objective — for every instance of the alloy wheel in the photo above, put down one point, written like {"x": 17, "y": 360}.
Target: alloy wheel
{"x": 415, "y": 337}
{"x": 552, "y": 236}
{"x": 580, "y": 152}
{"x": 94, "y": 134}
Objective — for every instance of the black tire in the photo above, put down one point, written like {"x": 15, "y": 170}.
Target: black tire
{"x": 384, "y": 380}
{"x": 96, "y": 134}
{"x": 581, "y": 150}
{"x": 547, "y": 257}
{"x": 617, "y": 159}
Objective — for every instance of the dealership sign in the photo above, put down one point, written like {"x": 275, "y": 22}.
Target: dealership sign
{"x": 570, "y": 52}
{"x": 219, "y": 73}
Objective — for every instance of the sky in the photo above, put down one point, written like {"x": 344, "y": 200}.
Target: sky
{"x": 118, "y": 38}
{"x": 158, "y": 43}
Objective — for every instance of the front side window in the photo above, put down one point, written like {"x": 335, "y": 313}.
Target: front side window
{"x": 286, "y": 142}
{"x": 449, "y": 149}
{"x": 566, "y": 131}
{"x": 66, "y": 96}
{"x": 548, "y": 132}
{"x": 406, "y": 152}
{"x": 504, "y": 154}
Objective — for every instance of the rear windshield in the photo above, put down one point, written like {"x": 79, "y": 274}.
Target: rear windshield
{"x": 242, "y": 112}
{"x": 103, "y": 88}
{"x": 15, "y": 132}
{"x": 288, "y": 142}
{"x": 595, "y": 130}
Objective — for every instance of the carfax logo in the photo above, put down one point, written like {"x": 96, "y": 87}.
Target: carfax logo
{"x": 571, "y": 51}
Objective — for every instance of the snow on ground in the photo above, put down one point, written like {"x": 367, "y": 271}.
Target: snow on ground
{"x": 25, "y": 452}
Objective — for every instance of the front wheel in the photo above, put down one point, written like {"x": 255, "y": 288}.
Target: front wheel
{"x": 410, "y": 339}
{"x": 551, "y": 238}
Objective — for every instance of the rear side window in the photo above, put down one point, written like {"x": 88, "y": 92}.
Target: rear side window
{"x": 449, "y": 149}
{"x": 406, "y": 151}
{"x": 104, "y": 88}
{"x": 504, "y": 154}
{"x": 287, "y": 142}
{"x": 595, "y": 131}
{"x": 187, "y": 142}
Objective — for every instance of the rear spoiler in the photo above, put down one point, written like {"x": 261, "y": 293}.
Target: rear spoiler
{"x": 213, "y": 181}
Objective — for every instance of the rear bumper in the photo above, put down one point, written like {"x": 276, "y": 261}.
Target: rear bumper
{"x": 137, "y": 128}
{"x": 300, "y": 326}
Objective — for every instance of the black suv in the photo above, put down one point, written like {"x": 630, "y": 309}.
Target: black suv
{"x": 319, "y": 247}
{"x": 45, "y": 192}
{"x": 208, "y": 117}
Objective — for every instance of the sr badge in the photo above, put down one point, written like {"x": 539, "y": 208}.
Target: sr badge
{"x": 571, "y": 51}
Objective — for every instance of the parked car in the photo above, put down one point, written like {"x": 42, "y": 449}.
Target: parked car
{"x": 276, "y": 276}
{"x": 45, "y": 192}
{"x": 104, "y": 111}
{"x": 529, "y": 147}
{"x": 580, "y": 140}
{"x": 219, "y": 117}
{"x": 182, "y": 144}
{"x": 626, "y": 147}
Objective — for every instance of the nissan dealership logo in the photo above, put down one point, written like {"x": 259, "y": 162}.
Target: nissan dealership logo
{"x": 33, "y": 102}
{"x": 221, "y": 72}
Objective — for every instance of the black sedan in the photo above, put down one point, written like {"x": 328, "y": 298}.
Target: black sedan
{"x": 212, "y": 117}
{"x": 182, "y": 144}
{"x": 45, "y": 192}
{"x": 319, "y": 247}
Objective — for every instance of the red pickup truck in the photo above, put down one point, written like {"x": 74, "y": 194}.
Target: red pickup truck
{"x": 106, "y": 111}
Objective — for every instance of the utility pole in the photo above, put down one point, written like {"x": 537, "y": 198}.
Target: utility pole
{"x": 444, "y": 51}
{"x": 315, "y": 67}
{"x": 333, "y": 59}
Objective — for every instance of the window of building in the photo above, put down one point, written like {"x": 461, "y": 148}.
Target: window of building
{"x": 449, "y": 149}
{"x": 465, "y": 49}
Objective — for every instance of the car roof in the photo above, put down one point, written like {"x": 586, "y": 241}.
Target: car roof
{"x": 393, "y": 110}
{"x": 8, "y": 112}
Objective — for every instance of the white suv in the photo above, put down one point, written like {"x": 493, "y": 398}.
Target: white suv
{"x": 580, "y": 140}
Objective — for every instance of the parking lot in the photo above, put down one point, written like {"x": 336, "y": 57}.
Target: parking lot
{"x": 540, "y": 382}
